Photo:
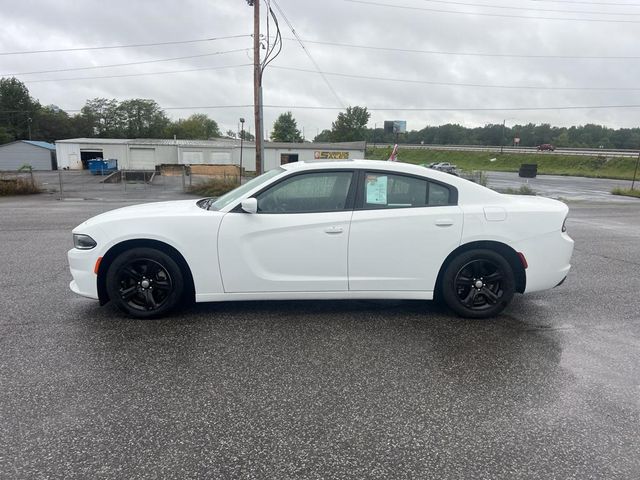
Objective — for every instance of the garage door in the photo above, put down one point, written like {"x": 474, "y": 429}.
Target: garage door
{"x": 143, "y": 158}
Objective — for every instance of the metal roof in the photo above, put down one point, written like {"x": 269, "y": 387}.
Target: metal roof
{"x": 35, "y": 143}
{"x": 152, "y": 141}
{"x": 220, "y": 143}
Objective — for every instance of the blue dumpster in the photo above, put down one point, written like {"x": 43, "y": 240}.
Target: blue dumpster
{"x": 99, "y": 166}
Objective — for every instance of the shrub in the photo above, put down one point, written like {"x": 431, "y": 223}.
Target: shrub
{"x": 18, "y": 186}
{"x": 214, "y": 187}
{"x": 626, "y": 192}
{"x": 523, "y": 190}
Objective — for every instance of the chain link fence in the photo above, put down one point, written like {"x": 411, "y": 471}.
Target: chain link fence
{"x": 67, "y": 184}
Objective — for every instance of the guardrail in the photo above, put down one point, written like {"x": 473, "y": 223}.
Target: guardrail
{"x": 497, "y": 149}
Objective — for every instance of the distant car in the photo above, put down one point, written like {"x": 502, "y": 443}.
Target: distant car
{"x": 445, "y": 167}
{"x": 546, "y": 146}
{"x": 325, "y": 231}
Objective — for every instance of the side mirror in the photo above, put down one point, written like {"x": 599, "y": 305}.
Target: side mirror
{"x": 250, "y": 205}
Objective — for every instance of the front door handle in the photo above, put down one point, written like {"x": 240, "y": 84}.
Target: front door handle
{"x": 333, "y": 230}
{"x": 444, "y": 222}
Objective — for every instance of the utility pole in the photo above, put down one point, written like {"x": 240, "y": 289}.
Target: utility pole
{"x": 257, "y": 86}
{"x": 502, "y": 139}
{"x": 241, "y": 141}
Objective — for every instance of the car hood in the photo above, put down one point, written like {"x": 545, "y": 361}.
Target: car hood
{"x": 145, "y": 210}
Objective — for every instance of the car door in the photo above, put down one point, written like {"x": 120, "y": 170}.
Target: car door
{"x": 296, "y": 242}
{"x": 403, "y": 227}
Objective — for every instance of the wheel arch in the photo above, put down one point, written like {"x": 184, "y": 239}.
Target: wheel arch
{"x": 117, "y": 249}
{"x": 508, "y": 253}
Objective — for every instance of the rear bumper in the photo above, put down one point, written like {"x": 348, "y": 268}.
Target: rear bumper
{"x": 81, "y": 264}
{"x": 549, "y": 259}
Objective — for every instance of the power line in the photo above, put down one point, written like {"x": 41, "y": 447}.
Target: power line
{"x": 452, "y": 84}
{"x": 93, "y": 67}
{"x": 470, "y": 54}
{"x": 479, "y": 14}
{"x": 133, "y": 45}
{"x": 504, "y": 7}
{"x": 138, "y": 74}
{"x": 295, "y": 34}
{"x": 387, "y": 109}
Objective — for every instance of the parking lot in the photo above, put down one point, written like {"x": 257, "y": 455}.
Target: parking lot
{"x": 550, "y": 389}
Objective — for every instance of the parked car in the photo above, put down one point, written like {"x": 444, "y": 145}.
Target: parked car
{"x": 546, "y": 146}
{"x": 445, "y": 167}
{"x": 336, "y": 230}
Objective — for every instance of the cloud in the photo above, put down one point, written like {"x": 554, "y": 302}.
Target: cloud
{"x": 43, "y": 24}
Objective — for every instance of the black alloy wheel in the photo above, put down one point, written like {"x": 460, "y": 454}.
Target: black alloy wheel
{"x": 144, "y": 282}
{"x": 478, "y": 284}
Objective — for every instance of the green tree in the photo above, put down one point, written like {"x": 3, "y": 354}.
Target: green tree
{"x": 351, "y": 125}
{"x": 323, "y": 136}
{"x": 101, "y": 117}
{"x": 17, "y": 109}
{"x": 197, "y": 127}
{"x": 141, "y": 118}
{"x": 285, "y": 129}
{"x": 51, "y": 124}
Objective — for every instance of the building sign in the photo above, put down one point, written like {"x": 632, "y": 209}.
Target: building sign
{"x": 319, "y": 155}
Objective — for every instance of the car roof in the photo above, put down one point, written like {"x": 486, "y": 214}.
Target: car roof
{"x": 360, "y": 164}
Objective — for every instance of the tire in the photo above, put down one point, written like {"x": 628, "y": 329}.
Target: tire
{"x": 478, "y": 284}
{"x": 145, "y": 283}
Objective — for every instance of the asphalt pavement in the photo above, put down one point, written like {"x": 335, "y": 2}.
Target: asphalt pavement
{"x": 564, "y": 187}
{"x": 550, "y": 389}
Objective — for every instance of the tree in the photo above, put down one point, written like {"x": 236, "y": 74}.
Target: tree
{"x": 197, "y": 127}
{"x": 285, "y": 129}
{"x": 51, "y": 124}
{"x": 101, "y": 117}
{"x": 323, "y": 136}
{"x": 351, "y": 125}
{"x": 141, "y": 118}
{"x": 17, "y": 109}
{"x": 246, "y": 136}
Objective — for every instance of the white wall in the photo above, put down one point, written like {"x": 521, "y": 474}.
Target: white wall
{"x": 68, "y": 155}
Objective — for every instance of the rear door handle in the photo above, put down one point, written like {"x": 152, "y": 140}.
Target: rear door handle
{"x": 444, "y": 222}
{"x": 333, "y": 230}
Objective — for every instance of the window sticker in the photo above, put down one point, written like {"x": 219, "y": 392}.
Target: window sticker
{"x": 376, "y": 189}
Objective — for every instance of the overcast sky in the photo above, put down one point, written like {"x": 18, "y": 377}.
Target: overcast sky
{"x": 611, "y": 29}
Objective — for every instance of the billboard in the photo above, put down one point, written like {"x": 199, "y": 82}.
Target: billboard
{"x": 395, "y": 126}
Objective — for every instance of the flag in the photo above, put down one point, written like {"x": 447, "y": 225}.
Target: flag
{"x": 394, "y": 154}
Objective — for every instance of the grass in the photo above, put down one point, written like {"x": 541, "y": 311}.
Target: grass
{"x": 548, "y": 164}
{"x": 18, "y": 186}
{"x": 627, "y": 192}
{"x": 214, "y": 187}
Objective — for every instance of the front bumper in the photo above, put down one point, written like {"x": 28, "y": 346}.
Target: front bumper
{"x": 81, "y": 264}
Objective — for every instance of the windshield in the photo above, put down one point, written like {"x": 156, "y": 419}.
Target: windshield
{"x": 236, "y": 194}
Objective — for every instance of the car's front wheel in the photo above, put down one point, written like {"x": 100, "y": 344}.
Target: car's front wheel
{"x": 144, "y": 282}
{"x": 478, "y": 284}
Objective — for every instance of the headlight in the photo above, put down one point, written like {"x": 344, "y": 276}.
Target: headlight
{"x": 83, "y": 242}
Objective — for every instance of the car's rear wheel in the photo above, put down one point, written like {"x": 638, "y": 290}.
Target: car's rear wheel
{"x": 144, "y": 282}
{"x": 478, "y": 284}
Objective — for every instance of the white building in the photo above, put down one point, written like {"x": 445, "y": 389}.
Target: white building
{"x": 146, "y": 154}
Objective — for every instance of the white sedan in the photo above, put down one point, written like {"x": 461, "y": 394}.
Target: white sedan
{"x": 337, "y": 230}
